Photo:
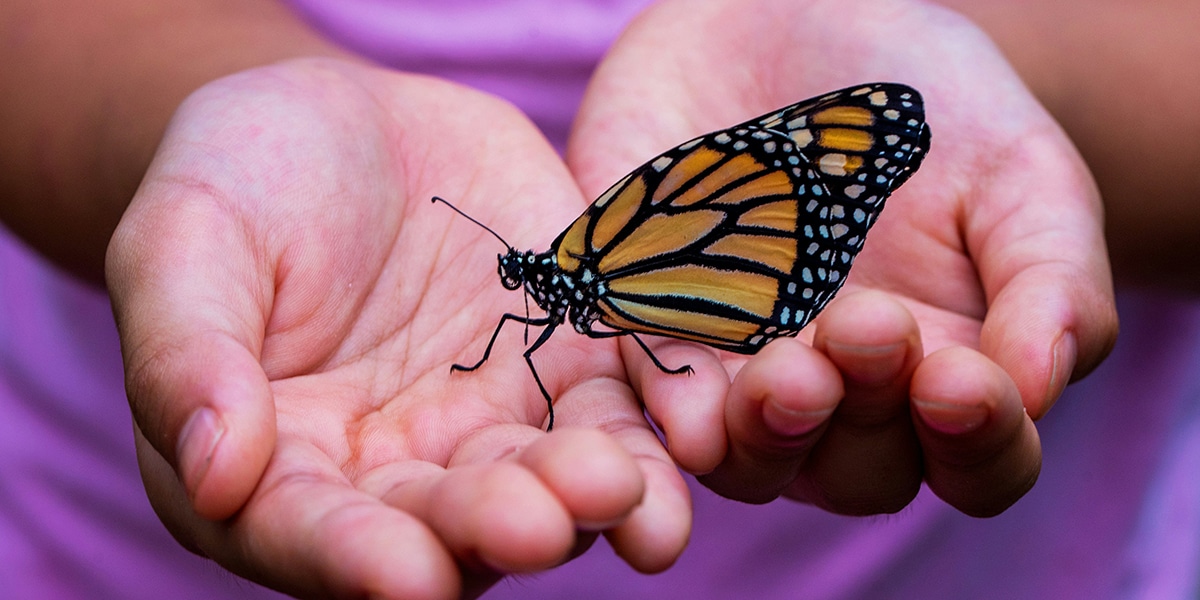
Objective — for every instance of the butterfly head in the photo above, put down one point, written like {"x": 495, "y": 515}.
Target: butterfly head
{"x": 513, "y": 266}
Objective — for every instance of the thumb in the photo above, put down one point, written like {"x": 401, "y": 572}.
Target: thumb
{"x": 181, "y": 281}
{"x": 1052, "y": 316}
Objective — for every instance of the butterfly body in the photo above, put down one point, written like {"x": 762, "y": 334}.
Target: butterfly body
{"x": 733, "y": 238}
{"x": 562, "y": 296}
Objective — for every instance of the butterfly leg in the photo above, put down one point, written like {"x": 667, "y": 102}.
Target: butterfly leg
{"x": 684, "y": 369}
{"x": 488, "y": 352}
{"x": 529, "y": 361}
{"x": 661, "y": 367}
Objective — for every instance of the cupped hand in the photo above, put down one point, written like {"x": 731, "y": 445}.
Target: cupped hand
{"x": 290, "y": 304}
{"x": 983, "y": 288}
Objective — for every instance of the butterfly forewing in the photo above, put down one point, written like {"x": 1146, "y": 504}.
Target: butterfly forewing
{"x": 743, "y": 235}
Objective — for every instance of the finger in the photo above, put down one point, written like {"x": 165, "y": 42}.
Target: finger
{"x": 689, "y": 408}
{"x": 1042, "y": 259}
{"x": 497, "y": 516}
{"x": 367, "y": 549}
{"x": 779, "y": 405}
{"x": 505, "y": 512}
{"x": 868, "y": 460}
{"x": 492, "y": 517}
{"x": 982, "y": 452}
{"x": 596, "y": 480}
{"x": 190, "y": 335}
{"x": 654, "y": 533}
{"x": 1048, "y": 327}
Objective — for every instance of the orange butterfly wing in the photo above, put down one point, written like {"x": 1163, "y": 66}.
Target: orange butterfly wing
{"x": 743, "y": 235}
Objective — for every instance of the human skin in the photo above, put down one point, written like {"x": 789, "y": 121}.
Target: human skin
{"x": 993, "y": 252}
{"x": 238, "y": 309}
{"x": 1120, "y": 78}
{"x": 307, "y": 304}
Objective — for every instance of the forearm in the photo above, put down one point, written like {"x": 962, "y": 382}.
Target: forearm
{"x": 1121, "y": 78}
{"x": 87, "y": 90}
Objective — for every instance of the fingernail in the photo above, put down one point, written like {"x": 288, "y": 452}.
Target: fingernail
{"x": 791, "y": 423}
{"x": 873, "y": 365}
{"x": 1063, "y": 356}
{"x": 951, "y": 419}
{"x": 197, "y": 443}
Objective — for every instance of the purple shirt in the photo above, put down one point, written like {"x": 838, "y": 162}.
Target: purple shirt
{"x": 1116, "y": 513}
{"x": 74, "y": 519}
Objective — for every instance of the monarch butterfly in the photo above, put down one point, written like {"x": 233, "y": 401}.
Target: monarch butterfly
{"x": 731, "y": 239}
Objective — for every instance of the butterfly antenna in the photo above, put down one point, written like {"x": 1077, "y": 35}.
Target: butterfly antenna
{"x": 471, "y": 219}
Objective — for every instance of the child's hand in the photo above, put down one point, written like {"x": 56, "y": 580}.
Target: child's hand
{"x": 991, "y": 283}
{"x": 290, "y": 303}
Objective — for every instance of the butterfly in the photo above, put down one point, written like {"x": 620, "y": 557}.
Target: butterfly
{"x": 731, "y": 239}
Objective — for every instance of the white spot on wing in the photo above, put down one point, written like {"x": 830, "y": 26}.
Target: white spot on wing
{"x": 802, "y": 137}
{"x": 833, "y": 163}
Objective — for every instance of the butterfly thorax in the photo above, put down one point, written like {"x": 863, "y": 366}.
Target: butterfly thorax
{"x": 562, "y": 295}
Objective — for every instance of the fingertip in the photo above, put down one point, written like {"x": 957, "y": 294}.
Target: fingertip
{"x": 597, "y": 481}
{"x": 1048, "y": 327}
{"x": 499, "y": 516}
{"x": 689, "y": 409}
{"x": 656, "y": 533}
{"x": 872, "y": 338}
{"x": 963, "y": 385}
{"x": 222, "y": 401}
{"x": 786, "y": 390}
{"x": 982, "y": 451}
{"x": 228, "y": 459}
{"x": 956, "y": 390}
{"x": 866, "y": 317}
{"x": 780, "y": 403}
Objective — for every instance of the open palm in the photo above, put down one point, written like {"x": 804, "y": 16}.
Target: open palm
{"x": 290, "y": 303}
